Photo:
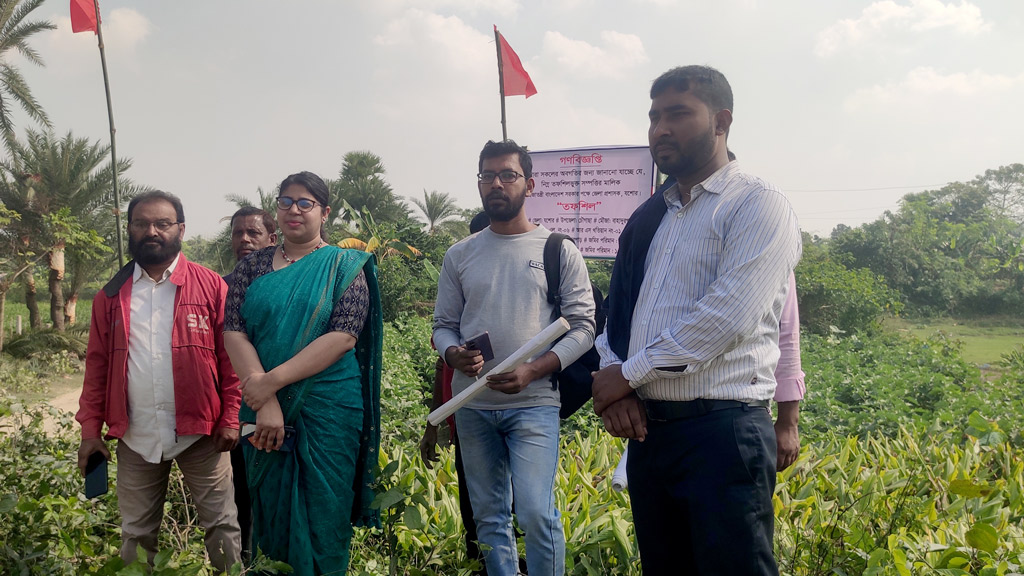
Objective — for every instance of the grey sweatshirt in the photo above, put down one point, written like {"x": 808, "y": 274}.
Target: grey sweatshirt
{"x": 495, "y": 283}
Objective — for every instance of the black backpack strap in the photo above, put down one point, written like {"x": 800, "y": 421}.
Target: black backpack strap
{"x": 552, "y": 272}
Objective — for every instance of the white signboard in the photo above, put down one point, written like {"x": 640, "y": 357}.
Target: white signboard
{"x": 589, "y": 193}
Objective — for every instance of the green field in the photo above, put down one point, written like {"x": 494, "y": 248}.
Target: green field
{"x": 15, "y": 306}
{"x": 984, "y": 340}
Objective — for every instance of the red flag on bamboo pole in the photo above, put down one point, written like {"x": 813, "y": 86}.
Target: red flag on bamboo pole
{"x": 513, "y": 76}
{"x": 83, "y": 16}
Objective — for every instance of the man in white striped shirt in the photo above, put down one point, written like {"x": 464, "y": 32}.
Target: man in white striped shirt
{"x": 691, "y": 346}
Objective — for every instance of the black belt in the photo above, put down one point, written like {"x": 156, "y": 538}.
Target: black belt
{"x": 666, "y": 410}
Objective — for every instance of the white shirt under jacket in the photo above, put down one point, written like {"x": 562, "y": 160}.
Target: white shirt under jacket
{"x": 151, "y": 414}
{"x": 716, "y": 277}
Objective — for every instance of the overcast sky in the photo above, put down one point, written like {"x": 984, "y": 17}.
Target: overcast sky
{"x": 846, "y": 105}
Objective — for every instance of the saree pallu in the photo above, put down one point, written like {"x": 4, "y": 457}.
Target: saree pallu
{"x": 306, "y": 501}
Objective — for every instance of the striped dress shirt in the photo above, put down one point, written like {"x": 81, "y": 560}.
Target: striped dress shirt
{"x": 716, "y": 278}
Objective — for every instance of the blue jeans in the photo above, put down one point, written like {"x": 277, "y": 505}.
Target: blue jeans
{"x": 514, "y": 451}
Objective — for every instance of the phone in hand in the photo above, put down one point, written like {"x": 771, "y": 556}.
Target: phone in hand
{"x": 96, "y": 475}
{"x": 248, "y": 428}
{"x": 482, "y": 343}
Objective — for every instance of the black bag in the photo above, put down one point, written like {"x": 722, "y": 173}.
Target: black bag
{"x": 574, "y": 381}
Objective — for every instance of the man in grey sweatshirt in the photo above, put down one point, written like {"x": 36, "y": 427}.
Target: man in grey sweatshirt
{"x": 494, "y": 281}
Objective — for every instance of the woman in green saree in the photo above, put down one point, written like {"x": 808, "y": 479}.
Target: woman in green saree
{"x": 303, "y": 329}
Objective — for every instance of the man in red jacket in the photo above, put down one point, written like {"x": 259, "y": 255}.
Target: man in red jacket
{"x": 157, "y": 374}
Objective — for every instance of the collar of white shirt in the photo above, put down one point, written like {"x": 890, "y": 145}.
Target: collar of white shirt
{"x": 716, "y": 184}
{"x": 167, "y": 273}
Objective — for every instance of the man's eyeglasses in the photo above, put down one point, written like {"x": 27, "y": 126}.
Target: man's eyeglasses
{"x": 506, "y": 176}
{"x": 304, "y": 204}
{"x": 160, "y": 225}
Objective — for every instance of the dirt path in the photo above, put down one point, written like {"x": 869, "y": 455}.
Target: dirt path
{"x": 62, "y": 393}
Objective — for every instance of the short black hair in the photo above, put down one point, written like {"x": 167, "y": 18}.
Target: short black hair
{"x": 708, "y": 85}
{"x": 314, "y": 184}
{"x": 479, "y": 222}
{"x": 268, "y": 219}
{"x": 498, "y": 149}
{"x": 157, "y": 195}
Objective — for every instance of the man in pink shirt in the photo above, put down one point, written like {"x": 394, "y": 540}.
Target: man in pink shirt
{"x": 789, "y": 382}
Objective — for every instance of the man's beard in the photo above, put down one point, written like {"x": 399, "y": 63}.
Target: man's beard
{"x": 147, "y": 254}
{"x": 507, "y": 212}
{"x": 690, "y": 159}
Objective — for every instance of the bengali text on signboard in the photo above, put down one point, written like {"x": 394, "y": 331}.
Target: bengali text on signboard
{"x": 589, "y": 193}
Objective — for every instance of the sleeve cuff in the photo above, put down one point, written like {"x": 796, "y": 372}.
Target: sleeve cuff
{"x": 638, "y": 370}
{"x": 92, "y": 430}
{"x": 790, "y": 390}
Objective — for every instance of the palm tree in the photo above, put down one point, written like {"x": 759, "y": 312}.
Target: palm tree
{"x": 14, "y": 35}
{"x": 381, "y": 239}
{"x": 52, "y": 173}
{"x": 436, "y": 207}
{"x": 361, "y": 183}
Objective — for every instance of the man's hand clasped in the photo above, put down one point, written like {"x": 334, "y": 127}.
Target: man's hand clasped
{"x": 618, "y": 405}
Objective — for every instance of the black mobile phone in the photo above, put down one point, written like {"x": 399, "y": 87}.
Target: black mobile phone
{"x": 96, "y": 475}
{"x": 286, "y": 446}
{"x": 481, "y": 342}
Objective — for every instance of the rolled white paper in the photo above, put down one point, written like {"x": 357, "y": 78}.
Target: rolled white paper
{"x": 619, "y": 482}
{"x": 524, "y": 353}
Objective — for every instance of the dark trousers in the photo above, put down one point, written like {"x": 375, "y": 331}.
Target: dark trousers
{"x": 701, "y": 492}
{"x": 242, "y": 501}
{"x": 466, "y": 509}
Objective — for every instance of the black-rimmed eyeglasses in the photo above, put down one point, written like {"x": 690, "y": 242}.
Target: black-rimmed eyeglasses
{"x": 506, "y": 176}
{"x": 304, "y": 204}
{"x": 160, "y": 225}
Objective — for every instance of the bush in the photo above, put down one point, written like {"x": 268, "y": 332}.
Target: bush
{"x": 830, "y": 295}
{"x": 910, "y": 464}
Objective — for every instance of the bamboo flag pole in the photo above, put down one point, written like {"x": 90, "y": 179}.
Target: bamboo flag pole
{"x": 501, "y": 83}
{"x": 524, "y": 353}
{"x": 113, "y": 147}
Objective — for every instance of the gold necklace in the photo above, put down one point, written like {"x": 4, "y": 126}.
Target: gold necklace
{"x": 290, "y": 261}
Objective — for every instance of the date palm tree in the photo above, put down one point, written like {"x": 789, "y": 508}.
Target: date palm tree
{"x": 437, "y": 207}
{"x": 70, "y": 173}
{"x": 361, "y": 183}
{"x": 15, "y": 32}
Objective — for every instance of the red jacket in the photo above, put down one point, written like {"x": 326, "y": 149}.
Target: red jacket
{"x": 206, "y": 394}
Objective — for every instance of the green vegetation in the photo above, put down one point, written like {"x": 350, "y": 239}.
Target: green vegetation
{"x": 913, "y": 459}
{"x": 985, "y": 340}
{"x": 912, "y": 463}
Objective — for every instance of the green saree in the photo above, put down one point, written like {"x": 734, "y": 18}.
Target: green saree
{"x": 306, "y": 501}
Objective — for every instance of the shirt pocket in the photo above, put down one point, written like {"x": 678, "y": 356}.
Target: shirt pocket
{"x": 193, "y": 326}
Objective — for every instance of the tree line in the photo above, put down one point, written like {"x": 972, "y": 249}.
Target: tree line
{"x": 955, "y": 251}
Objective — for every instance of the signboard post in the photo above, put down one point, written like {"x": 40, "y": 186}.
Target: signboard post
{"x": 588, "y": 194}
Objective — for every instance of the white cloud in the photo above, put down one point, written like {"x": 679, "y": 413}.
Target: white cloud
{"x": 617, "y": 54}
{"x": 889, "y": 17}
{"x": 925, "y": 88}
{"x": 441, "y": 39}
{"x": 125, "y": 29}
{"x": 502, "y": 8}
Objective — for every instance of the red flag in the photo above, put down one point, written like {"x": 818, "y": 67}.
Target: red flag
{"x": 83, "y": 15}
{"x": 514, "y": 77}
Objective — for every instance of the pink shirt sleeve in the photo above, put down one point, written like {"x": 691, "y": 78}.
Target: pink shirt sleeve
{"x": 789, "y": 374}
